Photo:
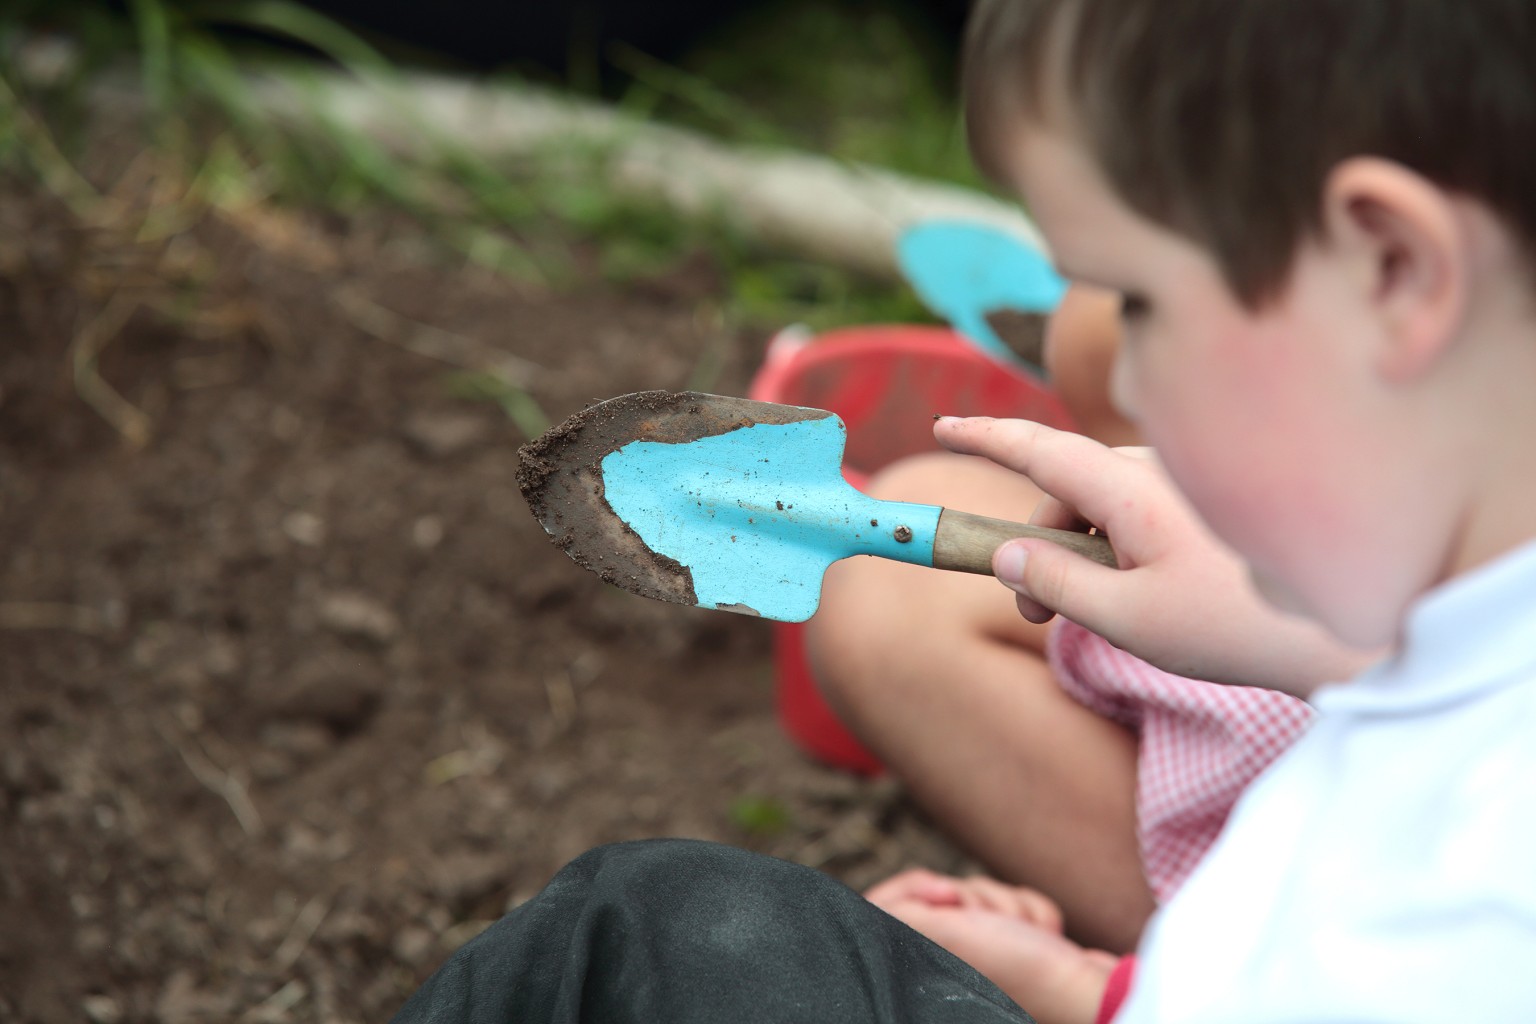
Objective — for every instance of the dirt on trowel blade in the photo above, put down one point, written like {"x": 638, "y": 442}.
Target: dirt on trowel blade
{"x": 560, "y": 475}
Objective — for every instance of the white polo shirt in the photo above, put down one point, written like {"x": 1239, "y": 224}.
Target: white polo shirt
{"x": 1384, "y": 869}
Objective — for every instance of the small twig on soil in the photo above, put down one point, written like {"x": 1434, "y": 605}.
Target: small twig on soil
{"x": 462, "y": 932}
{"x": 509, "y": 375}
{"x": 434, "y": 342}
{"x": 85, "y": 349}
{"x": 705, "y": 374}
{"x": 58, "y": 174}
{"x": 481, "y": 756}
{"x": 280, "y": 232}
{"x": 305, "y": 924}
{"x": 217, "y": 781}
{"x": 276, "y": 1006}
{"x": 562, "y": 700}
{"x": 450, "y": 766}
{"x": 50, "y": 615}
{"x": 215, "y": 903}
{"x": 458, "y": 763}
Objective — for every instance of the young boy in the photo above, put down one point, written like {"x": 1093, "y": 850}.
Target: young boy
{"x": 1085, "y": 773}
{"x": 1320, "y": 217}
{"x": 1316, "y": 215}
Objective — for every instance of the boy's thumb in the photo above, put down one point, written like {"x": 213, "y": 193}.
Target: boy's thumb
{"x": 1047, "y": 576}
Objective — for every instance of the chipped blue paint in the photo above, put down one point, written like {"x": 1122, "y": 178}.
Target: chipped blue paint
{"x": 758, "y": 513}
{"x": 963, "y": 271}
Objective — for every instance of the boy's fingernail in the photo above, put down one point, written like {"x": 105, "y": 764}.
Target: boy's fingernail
{"x": 1008, "y": 563}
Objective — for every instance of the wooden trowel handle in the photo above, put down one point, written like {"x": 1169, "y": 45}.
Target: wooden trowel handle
{"x": 965, "y": 542}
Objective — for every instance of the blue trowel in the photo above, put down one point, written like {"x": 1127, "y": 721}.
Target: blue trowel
{"x": 964, "y": 271}
{"x": 733, "y": 504}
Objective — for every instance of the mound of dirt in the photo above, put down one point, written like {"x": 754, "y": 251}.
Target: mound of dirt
{"x": 296, "y": 694}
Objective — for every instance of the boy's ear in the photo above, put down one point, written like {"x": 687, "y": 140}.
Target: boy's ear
{"x": 1404, "y": 235}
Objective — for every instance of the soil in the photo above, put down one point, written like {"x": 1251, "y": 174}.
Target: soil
{"x": 296, "y": 695}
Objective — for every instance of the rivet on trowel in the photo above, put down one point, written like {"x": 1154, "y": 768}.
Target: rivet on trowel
{"x": 903, "y": 534}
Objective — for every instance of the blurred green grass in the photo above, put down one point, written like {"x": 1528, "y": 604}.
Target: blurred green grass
{"x": 873, "y": 85}
{"x": 859, "y": 85}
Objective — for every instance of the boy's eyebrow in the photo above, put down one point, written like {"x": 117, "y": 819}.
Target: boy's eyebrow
{"x": 1079, "y": 276}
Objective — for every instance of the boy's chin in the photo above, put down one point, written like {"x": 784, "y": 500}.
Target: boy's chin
{"x": 1279, "y": 596}
{"x": 1286, "y": 600}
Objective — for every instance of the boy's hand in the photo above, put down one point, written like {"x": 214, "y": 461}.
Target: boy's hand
{"x": 1008, "y": 933}
{"x": 1181, "y": 599}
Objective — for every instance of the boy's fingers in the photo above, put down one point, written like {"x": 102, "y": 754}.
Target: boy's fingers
{"x": 1057, "y": 515}
{"x": 1073, "y": 469}
{"x": 1031, "y": 610}
{"x": 1048, "y": 578}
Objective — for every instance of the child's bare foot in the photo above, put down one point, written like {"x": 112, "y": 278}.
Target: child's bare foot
{"x": 1011, "y": 934}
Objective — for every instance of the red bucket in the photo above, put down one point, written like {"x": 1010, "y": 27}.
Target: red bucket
{"x": 886, "y": 382}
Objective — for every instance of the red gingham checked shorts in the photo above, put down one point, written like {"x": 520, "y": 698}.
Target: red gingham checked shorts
{"x": 1200, "y": 744}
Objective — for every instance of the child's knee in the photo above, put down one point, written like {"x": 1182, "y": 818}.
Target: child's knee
{"x": 1081, "y": 343}
{"x": 921, "y": 477}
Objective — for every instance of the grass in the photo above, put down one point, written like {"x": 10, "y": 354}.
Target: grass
{"x": 760, "y": 816}
{"x": 516, "y": 402}
{"x": 869, "y": 84}
{"x": 862, "y": 86}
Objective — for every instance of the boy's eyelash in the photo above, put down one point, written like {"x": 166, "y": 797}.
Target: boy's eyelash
{"x": 1132, "y": 306}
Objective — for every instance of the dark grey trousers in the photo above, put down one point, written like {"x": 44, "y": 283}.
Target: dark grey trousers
{"x": 676, "y": 931}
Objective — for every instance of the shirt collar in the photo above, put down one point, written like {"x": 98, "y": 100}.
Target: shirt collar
{"x": 1471, "y": 634}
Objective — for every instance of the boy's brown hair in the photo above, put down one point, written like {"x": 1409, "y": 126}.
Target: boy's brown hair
{"x": 1221, "y": 119}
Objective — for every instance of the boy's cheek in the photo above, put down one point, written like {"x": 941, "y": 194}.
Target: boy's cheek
{"x": 1300, "y": 566}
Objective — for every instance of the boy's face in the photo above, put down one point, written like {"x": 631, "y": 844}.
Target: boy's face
{"x": 1267, "y": 420}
